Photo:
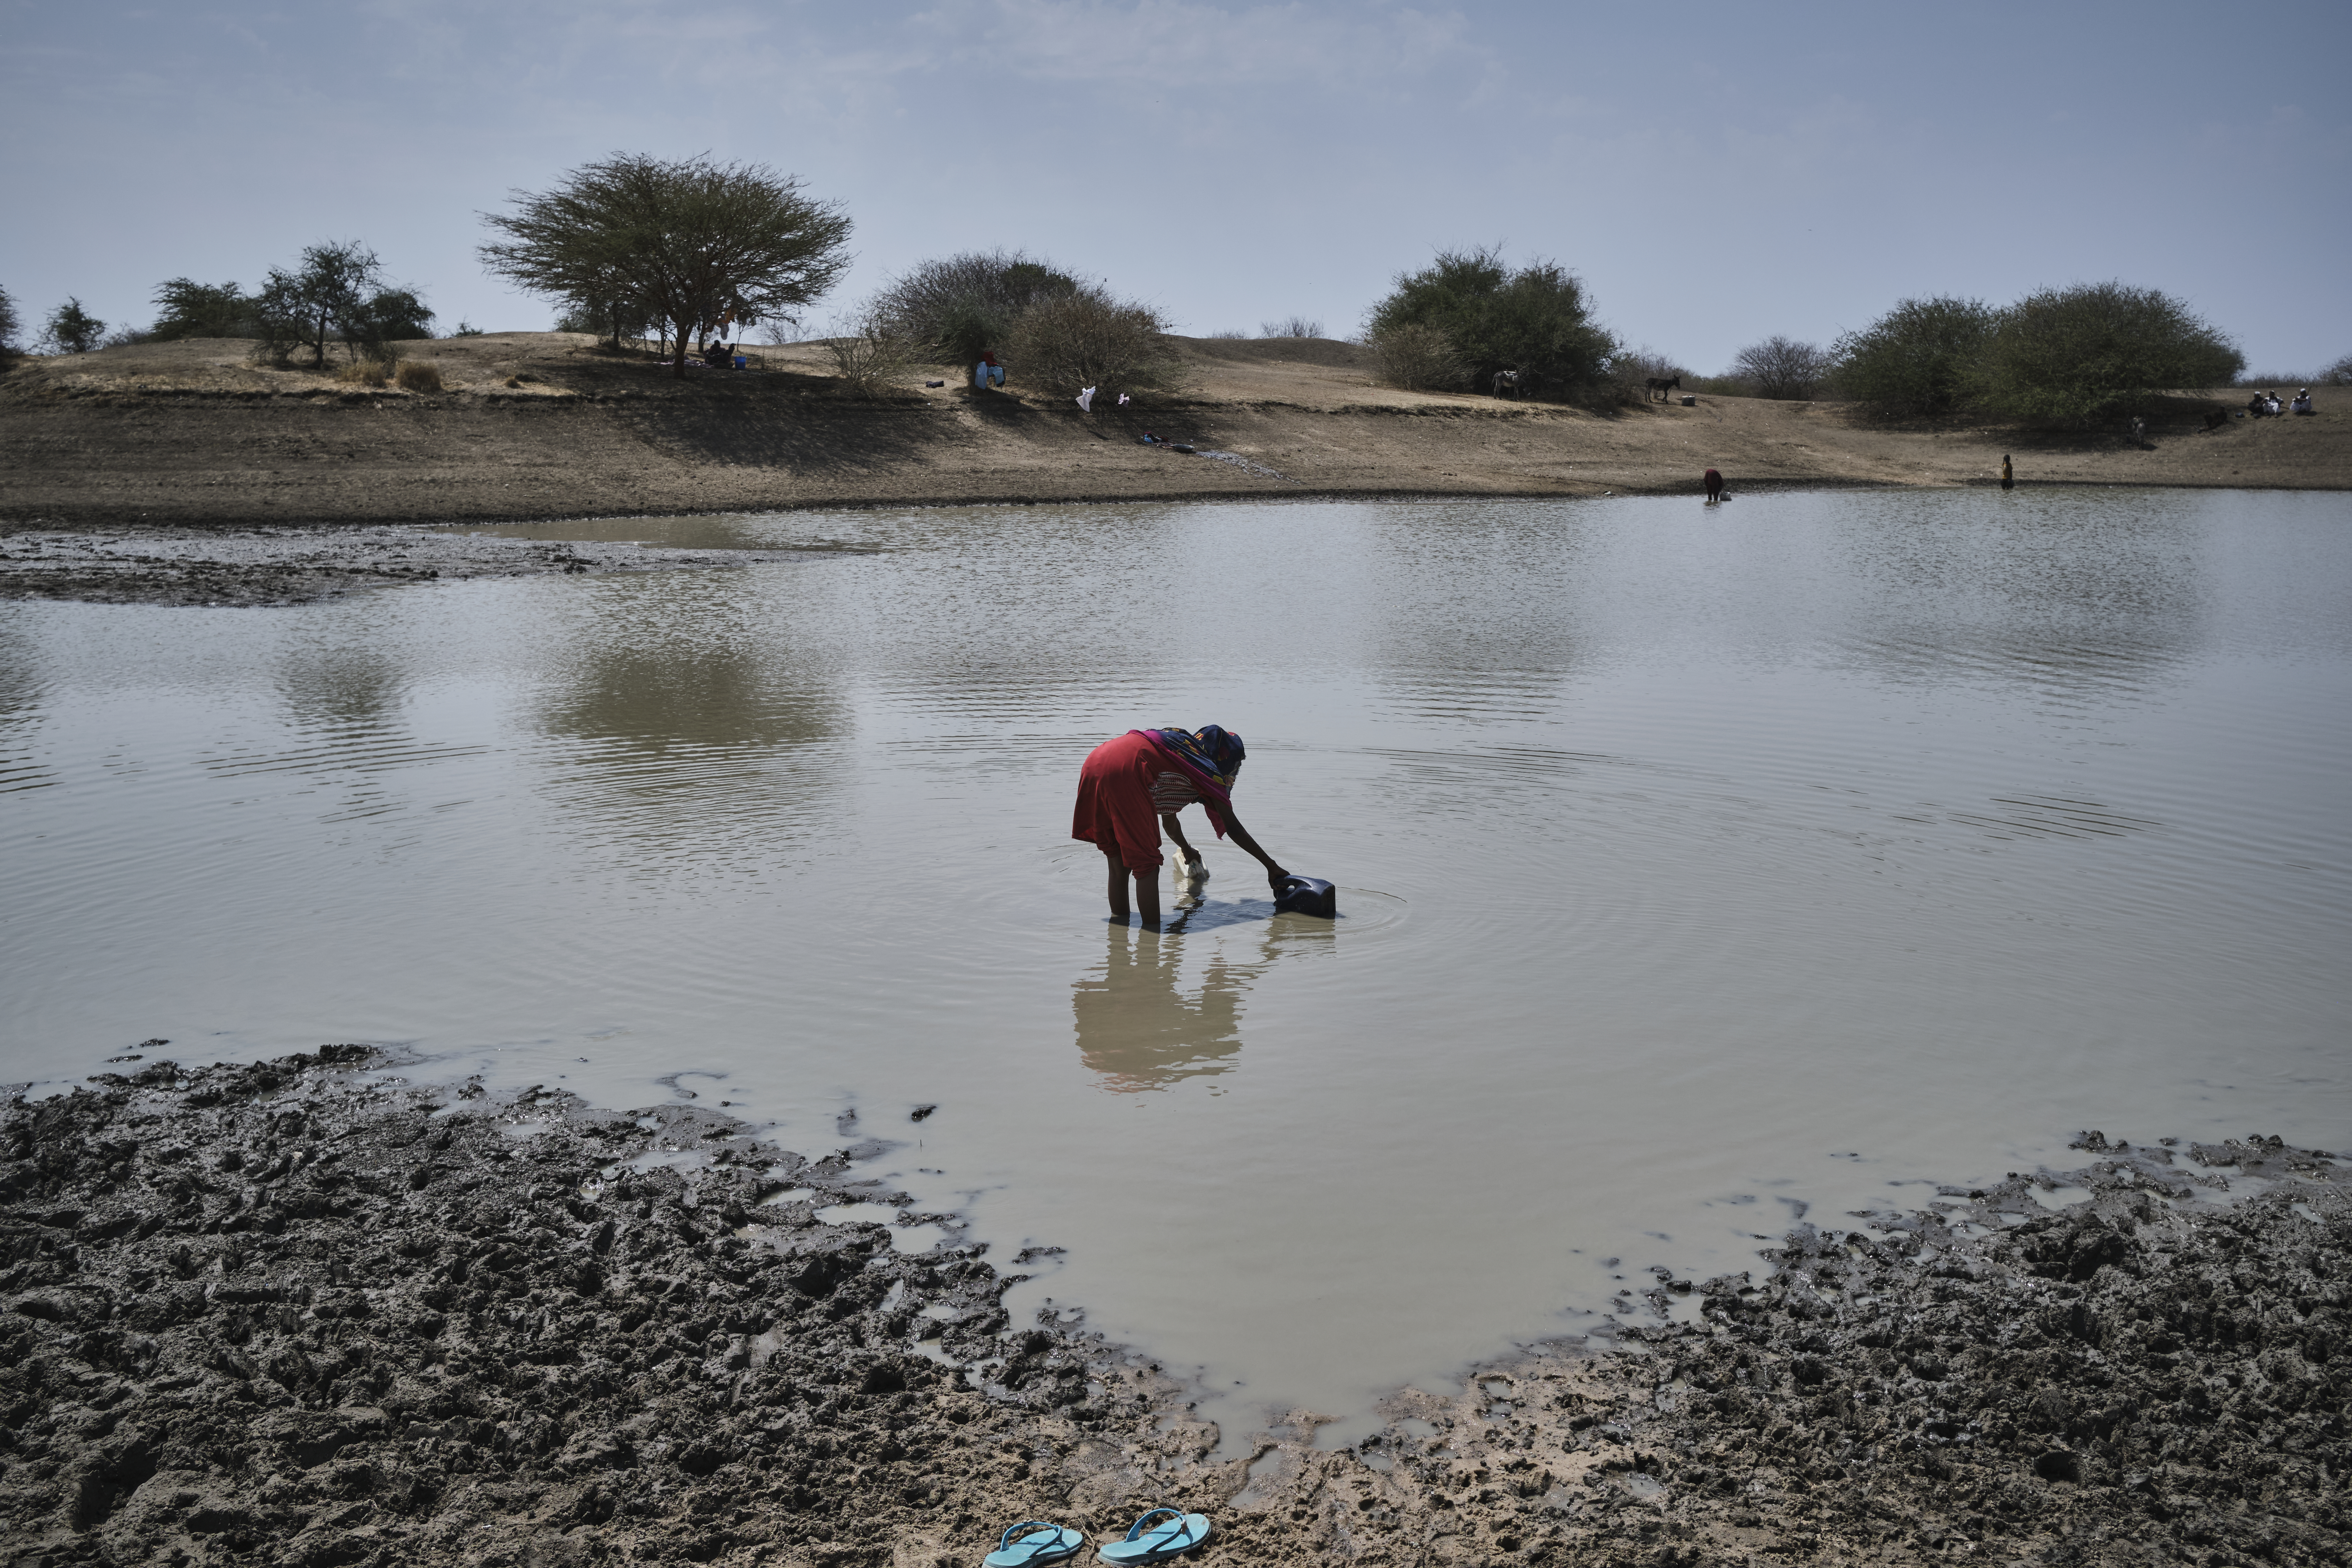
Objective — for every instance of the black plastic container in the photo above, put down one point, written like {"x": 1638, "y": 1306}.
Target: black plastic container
{"x": 1307, "y": 895}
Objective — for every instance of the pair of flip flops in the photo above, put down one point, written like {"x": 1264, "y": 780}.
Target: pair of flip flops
{"x": 1162, "y": 1533}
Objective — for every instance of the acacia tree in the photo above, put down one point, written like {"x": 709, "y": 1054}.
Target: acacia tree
{"x": 10, "y": 324}
{"x": 330, "y": 288}
{"x": 1782, "y": 367}
{"x": 691, "y": 242}
{"x": 71, "y": 330}
{"x": 187, "y": 309}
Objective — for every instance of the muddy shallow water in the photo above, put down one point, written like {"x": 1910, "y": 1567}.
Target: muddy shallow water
{"x": 1698, "y": 869}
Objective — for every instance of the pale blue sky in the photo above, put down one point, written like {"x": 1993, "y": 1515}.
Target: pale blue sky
{"x": 1717, "y": 171}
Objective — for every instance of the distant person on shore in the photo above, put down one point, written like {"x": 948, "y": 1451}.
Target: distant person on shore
{"x": 1714, "y": 486}
{"x": 2255, "y": 407}
{"x": 1148, "y": 775}
{"x": 988, "y": 373}
{"x": 2271, "y": 404}
{"x": 2007, "y": 479}
{"x": 2301, "y": 404}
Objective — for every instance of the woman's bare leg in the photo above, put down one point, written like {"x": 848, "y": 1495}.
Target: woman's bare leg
{"x": 1147, "y": 896}
{"x": 1117, "y": 888}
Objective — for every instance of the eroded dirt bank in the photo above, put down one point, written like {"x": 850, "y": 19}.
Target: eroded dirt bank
{"x": 297, "y": 1313}
{"x": 539, "y": 426}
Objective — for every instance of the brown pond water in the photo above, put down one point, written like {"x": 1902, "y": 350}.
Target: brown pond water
{"x": 1700, "y": 870}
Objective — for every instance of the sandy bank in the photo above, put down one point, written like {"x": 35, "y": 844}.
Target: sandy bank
{"x": 302, "y": 1313}
{"x": 189, "y": 433}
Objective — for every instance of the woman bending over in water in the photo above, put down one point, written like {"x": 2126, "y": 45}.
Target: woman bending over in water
{"x": 1148, "y": 773}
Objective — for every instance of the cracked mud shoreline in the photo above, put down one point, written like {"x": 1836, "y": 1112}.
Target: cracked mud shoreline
{"x": 293, "y": 565}
{"x": 301, "y": 1312}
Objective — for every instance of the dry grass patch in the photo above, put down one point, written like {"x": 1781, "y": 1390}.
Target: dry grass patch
{"x": 366, "y": 373}
{"x": 418, "y": 376}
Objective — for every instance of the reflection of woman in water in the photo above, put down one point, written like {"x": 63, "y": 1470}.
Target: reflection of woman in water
{"x": 1139, "y": 1029}
{"x": 1154, "y": 773}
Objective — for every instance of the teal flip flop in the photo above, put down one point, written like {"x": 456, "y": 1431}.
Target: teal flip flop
{"x": 1181, "y": 1532}
{"x": 1046, "y": 1543}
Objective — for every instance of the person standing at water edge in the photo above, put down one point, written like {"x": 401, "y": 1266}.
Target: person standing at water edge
{"x": 1132, "y": 786}
{"x": 2007, "y": 481}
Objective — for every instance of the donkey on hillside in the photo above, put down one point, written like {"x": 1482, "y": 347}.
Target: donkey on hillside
{"x": 1660, "y": 385}
{"x": 1511, "y": 382}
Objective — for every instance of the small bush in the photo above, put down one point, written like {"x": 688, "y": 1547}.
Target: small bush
{"x": 956, "y": 307}
{"x": 1068, "y": 343}
{"x": 417, "y": 376}
{"x": 71, "y": 330}
{"x": 871, "y": 354}
{"x": 1290, "y": 327}
{"x": 1419, "y": 359}
{"x": 364, "y": 372}
{"x": 1783, "y": 368}
{"x": 2337, "y": 375}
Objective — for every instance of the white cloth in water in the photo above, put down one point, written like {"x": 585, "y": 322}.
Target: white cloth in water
{"x": 1123, "y": 400}
{"x": 1087, "y": 401}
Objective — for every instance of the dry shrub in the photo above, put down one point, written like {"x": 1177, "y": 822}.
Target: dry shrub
{"x": 1784, "y": 368}
{"x": 1064, "y": 344}
{"x": 366, "y": 373}
{"x": 1419, "y": 359}
{"x": 417, "y": 376}
{"x": 871, "y": 354}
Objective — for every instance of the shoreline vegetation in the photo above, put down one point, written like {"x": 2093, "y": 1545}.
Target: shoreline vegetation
{"x": 304, "y": 1311}
{"x": 543, "y": 426}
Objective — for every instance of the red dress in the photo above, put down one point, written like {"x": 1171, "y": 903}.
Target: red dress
{"x": 1115, "y": 813}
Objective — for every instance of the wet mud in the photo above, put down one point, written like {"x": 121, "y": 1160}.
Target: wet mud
{"x": 292, "y": 565}
{"x": 304, "y": 1312}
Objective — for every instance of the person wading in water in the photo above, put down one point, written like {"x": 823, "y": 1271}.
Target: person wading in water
{"x": 1148, "y": 773}
{"x": 2007, "y": 481}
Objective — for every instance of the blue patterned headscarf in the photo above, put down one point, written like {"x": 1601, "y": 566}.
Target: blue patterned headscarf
{"x": 1212, "y": 756}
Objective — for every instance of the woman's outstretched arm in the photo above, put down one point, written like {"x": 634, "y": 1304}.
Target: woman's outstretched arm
{"x": 1240, "y": 835}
